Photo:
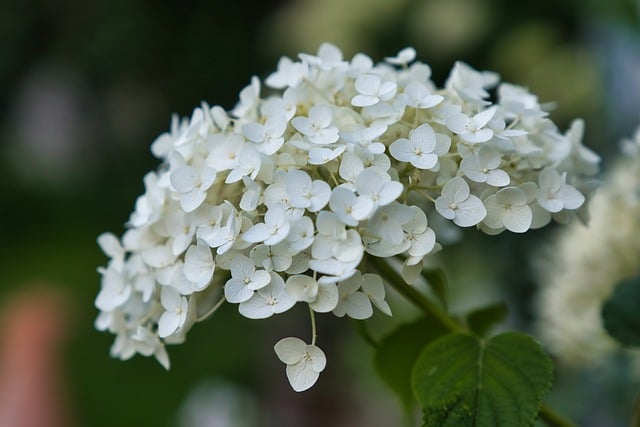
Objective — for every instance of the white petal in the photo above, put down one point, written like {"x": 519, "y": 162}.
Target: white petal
{"x": 350, "y": 167}
{"x": 457, "y": 123}
{"x": 367, "y": 84}
{"x": 170, "y": 298}
{"x": 199, "y": 265}
{"x": 483, "y": 117}
{"x": 364, "y": 100}
{"x": 550, "y": 179}
{"x": 571, "y": 197}
{"x": 470, "y": 212}
{"x": 357, "y": 306}
{"x": 236, "y": 291}
{"x": 373, "y": 286}
{"x": 402, "y": 150}
{"x": 191, "y": 200}
{"x": 168, "y": 324}
{"x": 110, "y": 245}
{"x": 425, "y": 161}
{"x": 390, "y": 191}
{"x": 302, "y": 288}
{"x": 259, "y": 280}
{"x": 327, "y": 298}
{"x": 320, "y": 194}
{"x": 257, "y": 233}
{"x": 290, "y": 350}
{"x": 318, "y": 359}
{"x": 255, "y": 307}
{"x": 518, "y": 219}
{"x": 498, "y": 178}
{"x": 253, "y": 132}
{"x": 301, "y": 376}
{"x": 482, "y": 135}
{"x": 184, "y": 179}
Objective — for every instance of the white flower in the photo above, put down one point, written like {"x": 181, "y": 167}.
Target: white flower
{"x": 584, "y": 266}
{"x": 249, "y": 98}
{"x": 357, "y": 304}
{"x": 224, "y": 151}
{"x": 321, "y": 295}
{"x": 322, "y": 155}
{"x": 371, "y": 90}
{"x": 328, "y": 57}
{"x": 289, "y": 74}
{"x": 403, "y": 57}
{"x": 111, "y": 246}
{"x": 190, "y": 182}
{"x": 268, "y": 138}
{"x": 421, "y": 237}
{"x": 301, "y": 234}
{"x": 471, "y": 84}
{"x": 304, "y": 362}
{"x": 176, "y": 308}
{"x": 274, "y": 229}
{"x": 251, "y": 196}
{"x": 115, "y": 290}
{"x": 147, "y": 205}
{"x": 277, "y": 257}
{"x": 268, "y": 300}
{"x": 387, "y": 222}
{"x": 472, "y": 129}
{"x": 350, "y": 167}
{"x": 199, "y": 265}
{"x": 417, "y": 95}
{"x": 219, "y": 232}
{"x": 248, "y": 164}
{"x": 373, "y": 288}
{"x": 508, "y": 208}
{"x": 422, "y": 149}
{"x": 244, "y": 280}
{"x": 306, "y": 194}
{"x": 147, "y": 343}
{"x": 458, "y": 204}
{"x": 366, "y": 137}
{"x": 375, "y": 184}
{"x": 352, "y": 302}
{"x": 302, "y": 288}
{"x": 483, "y": 166}
{"x": 317, "y": 127}
{"x": 335, "y": 250}
{"x": 555, "y": 194}
{"x": 348, "y": 207}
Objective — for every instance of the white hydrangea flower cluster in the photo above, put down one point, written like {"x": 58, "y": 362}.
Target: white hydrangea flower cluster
{"x": 278, "y": 201}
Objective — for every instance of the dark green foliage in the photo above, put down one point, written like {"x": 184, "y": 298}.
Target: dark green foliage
{"x": 461, "y": 380}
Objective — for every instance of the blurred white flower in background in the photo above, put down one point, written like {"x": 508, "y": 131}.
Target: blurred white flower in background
{"x": 586, "y": 263}
{"x": 215, "y": 403}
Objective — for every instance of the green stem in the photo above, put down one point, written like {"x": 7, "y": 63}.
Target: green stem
{"x": 554, "y": 419}
{"x": 413, "y": 295}
{"x": 314, "y": 333}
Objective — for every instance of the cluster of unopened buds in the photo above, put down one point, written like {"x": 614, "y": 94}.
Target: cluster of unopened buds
{"x": 295, "y": 195}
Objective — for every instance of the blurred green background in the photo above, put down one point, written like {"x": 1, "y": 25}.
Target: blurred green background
{"x": 87, "y": 86}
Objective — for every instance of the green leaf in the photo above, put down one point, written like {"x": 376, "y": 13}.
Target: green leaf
{"x": 481, "y": 320}
{"x": 398, "y": 351}
{"x": 437, "y": 281}
{"x": 461, "y": 380}
{"x": 621, "y": 313}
